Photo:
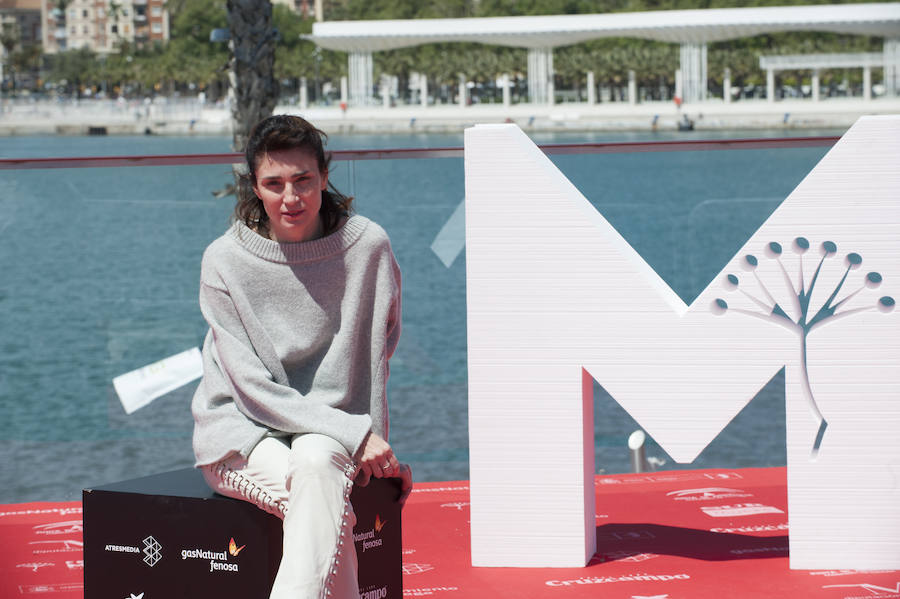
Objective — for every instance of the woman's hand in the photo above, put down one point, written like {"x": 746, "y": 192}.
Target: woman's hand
{"x": 376, "y": 458}
{"x": 406, "y": 483}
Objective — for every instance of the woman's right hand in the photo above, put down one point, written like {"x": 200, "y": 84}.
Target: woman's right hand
{"x": 406, "y": 483}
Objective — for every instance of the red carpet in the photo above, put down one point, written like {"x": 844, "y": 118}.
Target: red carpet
{"x": 667, "y": 535}
{"x": 41, "y": 551}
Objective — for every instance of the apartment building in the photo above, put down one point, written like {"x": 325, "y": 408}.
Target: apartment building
{"x": 100, "y": 24}
{"x": 23, "y": 19}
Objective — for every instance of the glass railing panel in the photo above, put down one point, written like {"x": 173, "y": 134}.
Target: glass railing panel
{"x": 102, "y": 269}
{"x": 101, "y": 277}
{"x": 413, "y": 199}
{"x": 688, "y": 212}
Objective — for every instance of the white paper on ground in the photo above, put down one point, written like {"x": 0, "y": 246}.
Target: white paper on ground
{"x": 139, "y": 387}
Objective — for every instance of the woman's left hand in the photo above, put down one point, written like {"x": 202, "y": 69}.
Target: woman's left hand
{"x": 376, "y": 458}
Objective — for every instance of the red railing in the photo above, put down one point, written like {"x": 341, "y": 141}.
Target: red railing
{"x": 624, "y": 147}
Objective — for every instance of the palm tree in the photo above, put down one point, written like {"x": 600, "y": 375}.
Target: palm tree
{"x": 252, "y": 62}
{"x": 9, "y": 39}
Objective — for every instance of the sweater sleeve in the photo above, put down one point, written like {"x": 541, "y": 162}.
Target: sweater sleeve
{"x": 391, "y": 330}
{"x": 394, "y": 316}
{"x": 255, "y": 392}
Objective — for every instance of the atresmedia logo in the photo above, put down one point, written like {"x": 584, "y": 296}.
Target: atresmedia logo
{"x": 152, "y": 551}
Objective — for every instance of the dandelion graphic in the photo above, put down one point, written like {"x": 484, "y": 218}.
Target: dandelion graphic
{"x": 800, "y": 294}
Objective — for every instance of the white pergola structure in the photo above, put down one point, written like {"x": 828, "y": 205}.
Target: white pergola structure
{"x": 693, "y": 29}
{"x": 817, "y": 62}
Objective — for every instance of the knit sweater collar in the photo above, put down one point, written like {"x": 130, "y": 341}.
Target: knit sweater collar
{"x": 303, "y": 251}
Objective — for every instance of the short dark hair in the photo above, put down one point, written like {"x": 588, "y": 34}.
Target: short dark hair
{"x": 286, "y": 132}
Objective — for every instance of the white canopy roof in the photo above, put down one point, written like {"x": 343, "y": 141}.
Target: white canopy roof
{"x": 676, "y": 26}
{"x": 822, "y": 61}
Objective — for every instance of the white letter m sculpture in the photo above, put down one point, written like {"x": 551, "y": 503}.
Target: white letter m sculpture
{"x": 556, "y": 298}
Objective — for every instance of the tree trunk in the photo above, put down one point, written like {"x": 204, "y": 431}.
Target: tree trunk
{"x": 253, "y": 84}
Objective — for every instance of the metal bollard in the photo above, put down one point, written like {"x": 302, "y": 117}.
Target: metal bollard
{"x": 638, "y": 452}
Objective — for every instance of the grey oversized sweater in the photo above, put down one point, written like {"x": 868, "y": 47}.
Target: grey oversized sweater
{"x": 299, "y": 338}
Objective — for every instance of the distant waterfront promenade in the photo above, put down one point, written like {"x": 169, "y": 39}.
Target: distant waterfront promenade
{"x": 187, "y": 116}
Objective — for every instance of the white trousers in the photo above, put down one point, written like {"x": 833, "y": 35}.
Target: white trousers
{"x": 307, "y": 484}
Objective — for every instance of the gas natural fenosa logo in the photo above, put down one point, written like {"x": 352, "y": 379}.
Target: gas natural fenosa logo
{"x": 794, "y": 309}
{"x": 218, "y": 560}
{"x": 368, "y": 538}
{"x": 233, "y": 549}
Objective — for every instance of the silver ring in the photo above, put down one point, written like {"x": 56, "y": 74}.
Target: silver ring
{"x": 386, "y": 466}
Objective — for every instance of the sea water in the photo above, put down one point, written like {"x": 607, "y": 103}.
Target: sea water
{"x": 100, "y": 271}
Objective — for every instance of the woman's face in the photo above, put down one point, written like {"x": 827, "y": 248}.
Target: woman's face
{"x": 290, "y": 186}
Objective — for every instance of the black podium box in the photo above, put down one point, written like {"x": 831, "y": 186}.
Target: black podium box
{"x": 168, "y": 536}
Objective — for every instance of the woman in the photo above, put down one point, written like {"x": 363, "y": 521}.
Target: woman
{"x": 303, "y": 305}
